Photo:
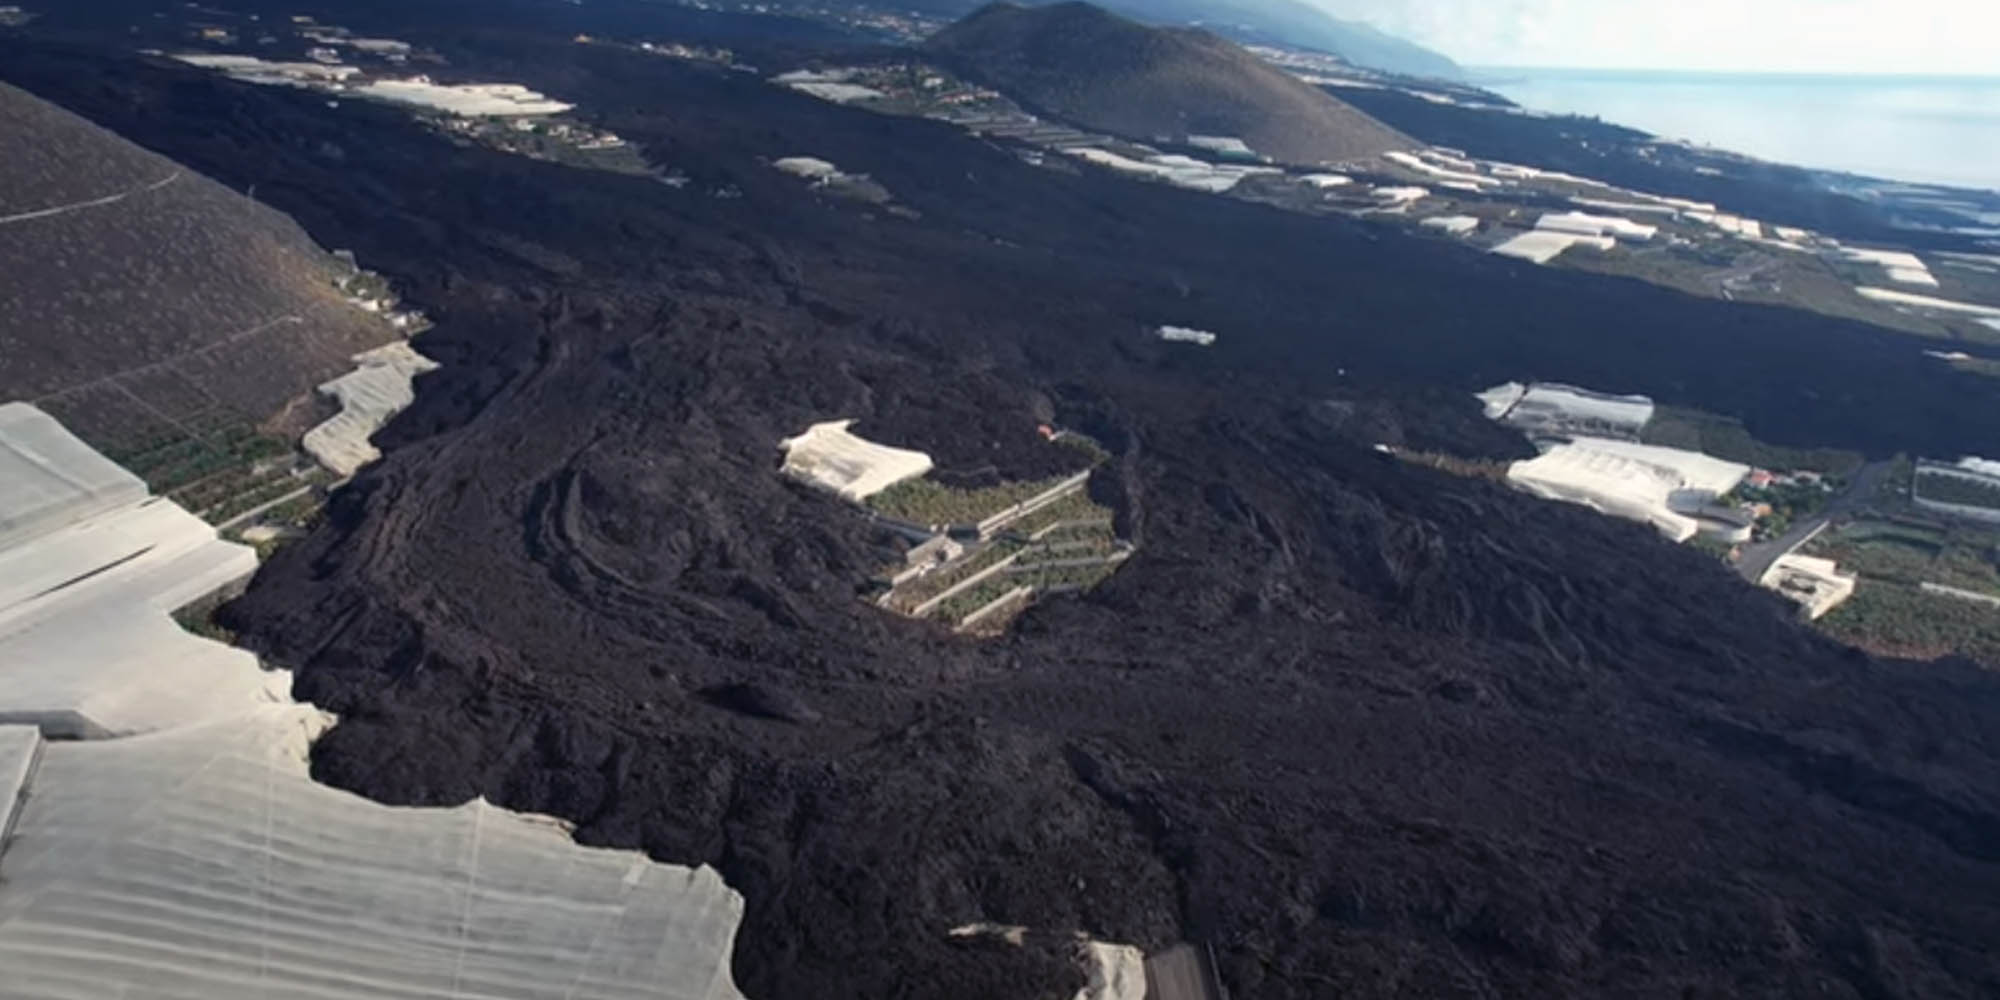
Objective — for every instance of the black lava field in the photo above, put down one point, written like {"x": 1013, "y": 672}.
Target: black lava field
{"x": 1367, "y": 729}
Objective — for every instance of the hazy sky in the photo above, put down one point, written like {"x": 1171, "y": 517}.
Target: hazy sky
{"x": 1864, "y": 36}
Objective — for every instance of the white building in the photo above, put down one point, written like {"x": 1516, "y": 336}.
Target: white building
{"x": 1555, "y": 408}
{"x": 1638, "y": 482}
{"x": 1816, "y": 584}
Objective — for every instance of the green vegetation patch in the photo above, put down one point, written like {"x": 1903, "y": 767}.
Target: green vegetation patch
{"x": 1944, "y": 487}
{"x": 170, "y": 465}
{"x": 938, "y": 581}
{"x": 1075, "y": 507}
{"x": 1897, "y": 619}
{"x": 926, "y": 501}
{"x": 1725, "y": 437}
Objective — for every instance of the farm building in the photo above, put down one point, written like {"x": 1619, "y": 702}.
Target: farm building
{"x": 1639, "y": 482}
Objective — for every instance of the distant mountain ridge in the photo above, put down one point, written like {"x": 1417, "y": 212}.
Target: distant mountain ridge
{"x": 1299, "y": 24}
{"x": 1103, "y": 71}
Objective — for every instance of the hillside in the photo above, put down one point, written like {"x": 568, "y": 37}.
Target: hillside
{"x": 138, "y": 297}
{"x": 1296, "y": 23}
{"x": 1096, "y": 69}
{"x": 1366, "y": 729}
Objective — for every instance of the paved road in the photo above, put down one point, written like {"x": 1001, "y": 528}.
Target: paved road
{"x": 1757, "y": 557}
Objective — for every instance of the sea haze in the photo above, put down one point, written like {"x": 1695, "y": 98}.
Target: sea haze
{"x": 1938, "y": 130}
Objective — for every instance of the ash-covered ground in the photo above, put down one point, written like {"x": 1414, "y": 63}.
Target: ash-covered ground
{"x": 1369, "y": 729}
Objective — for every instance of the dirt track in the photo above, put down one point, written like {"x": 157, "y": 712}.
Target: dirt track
{"x": 1369, "y": 729}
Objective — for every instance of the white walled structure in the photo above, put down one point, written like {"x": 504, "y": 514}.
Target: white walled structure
{"x": 828, "y": 456}
{"x": 1900, "y": 266}
{"x": 1816, "y": 584}
{"x": 377, "y": 389}
{"x": 1551, "y": 407}
{"x": 1187, "y": 335}
{"x": 49, "y": 479}
{"x": 1541, "y": 245}
{"x": 204, "y": 863}
{"x": 470, "y": 100}
{"x": 1585, "y": 224}
{"x": 1637, "y": 482}
{"x": 1896, "y": 298}
{"x": 1452, "y": 225}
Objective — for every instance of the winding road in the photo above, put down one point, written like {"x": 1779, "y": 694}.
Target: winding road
{"x": 1757, "y": 557}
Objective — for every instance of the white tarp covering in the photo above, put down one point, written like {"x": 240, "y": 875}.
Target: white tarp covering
{"x": 1553, "y": 405}
{"x": 49, "y": 479}
{"x": 468, "y": 100}
{"x": 205, "y": 864}
{"x": 1633, "y": 481}
{"x": 1498, "y": 400}
{"x": 1226, "y": 144}
{"x": 179, "y": 850}
{"x": 838, "y": 93}
{"x": 1900, "y": 266}
{"x": 1585, "y": 224}
{"x": 20, "y": 752}
{"x": 1187, "y": 335}
{"x": 1731, "y": 224}
{"x": 1894, "y": 297}
{"x": 369, "y": 395}
{"x": 251, "y": 69}
{"x": 808, "y": 167}
{"x": 1112, "y": 972}
{"x": 1542, "y": 245}
{"x": 1454, "y": 225}
{"x": 1466, "y": 177}
{"x": 831, "y": 458}
{"x": 1402, "y": 195}
{"x": 1180, "y": 171}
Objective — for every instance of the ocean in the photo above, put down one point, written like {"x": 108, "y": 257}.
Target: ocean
{"x": 1935, "y": 130}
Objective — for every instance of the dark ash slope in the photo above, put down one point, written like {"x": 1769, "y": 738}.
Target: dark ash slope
{"x": 1370, "y": 730}
{"x": 117, "y": 260}
{"x": 1094, "y": 68}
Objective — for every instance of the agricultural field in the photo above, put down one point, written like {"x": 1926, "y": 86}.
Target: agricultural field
{"x": 1897, "y": 619}
{"x": 1943, "y": 487}
{"x": 926, "y": 501}
{"x": 1068, "y": 545}
{"x": 1895, "y": 557}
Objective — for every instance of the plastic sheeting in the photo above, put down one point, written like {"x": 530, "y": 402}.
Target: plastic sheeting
{"x": 20, "y": 752}
{"x": 178, "y": 848}
{"x": 205, "y": 864}
{"x": 50, "y": 479}
{"x": 831, "y": 458}
{"x": 1634, "y": 481}
{"x": 1552, "y": 406}
{"x": 369, "y": 395}
{"x": 1541, "y": 245}
{"x": 86, "y": 645}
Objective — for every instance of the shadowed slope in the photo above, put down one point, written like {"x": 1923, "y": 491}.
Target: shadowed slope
{"x": 1094, "y": 68}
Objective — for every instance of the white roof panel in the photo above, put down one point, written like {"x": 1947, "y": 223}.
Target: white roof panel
{"x": 831, "y": 458}
{"x": 204, "y": 863}
{"x": 49, "y": 478}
